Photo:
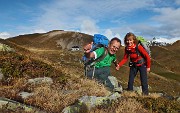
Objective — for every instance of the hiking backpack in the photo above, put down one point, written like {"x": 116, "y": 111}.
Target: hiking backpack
{"x": 144, "y": 44}
{"x": 98, "y": 42}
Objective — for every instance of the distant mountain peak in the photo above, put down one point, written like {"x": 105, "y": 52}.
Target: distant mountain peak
{"x": 162, "y": 41}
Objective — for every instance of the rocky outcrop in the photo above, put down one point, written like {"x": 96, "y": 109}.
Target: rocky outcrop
{"x": 86, "y": 103}
{"x": 13, "y": 105}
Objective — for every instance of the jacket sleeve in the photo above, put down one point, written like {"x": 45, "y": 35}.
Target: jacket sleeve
{"x": 124, "y": 60}
{"x": 145, "y": 55}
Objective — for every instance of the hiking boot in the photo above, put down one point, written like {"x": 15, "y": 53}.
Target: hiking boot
{"x": 145, "y": 93}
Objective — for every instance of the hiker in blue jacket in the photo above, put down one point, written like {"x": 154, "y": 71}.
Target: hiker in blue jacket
{"x": 101, "y": 69}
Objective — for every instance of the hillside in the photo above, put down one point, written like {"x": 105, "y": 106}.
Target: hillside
{"x": 48, "y": 55}
{"x": 56, "y": 39}
{"x": 168, "y": 58}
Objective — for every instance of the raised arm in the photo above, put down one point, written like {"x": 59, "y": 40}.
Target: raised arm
{"x": 87, "y": 51}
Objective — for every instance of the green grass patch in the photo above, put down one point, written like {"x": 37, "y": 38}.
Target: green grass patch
{"x": 170, "y": 75}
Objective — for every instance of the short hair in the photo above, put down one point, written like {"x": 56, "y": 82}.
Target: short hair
{"x": 115, "y": 38}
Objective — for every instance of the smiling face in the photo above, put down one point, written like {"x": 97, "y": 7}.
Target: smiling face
{"x": 114, "y": 47}
{"x": 130, "y": 41}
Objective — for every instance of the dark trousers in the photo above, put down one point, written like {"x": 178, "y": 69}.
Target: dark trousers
{"x": 143, "y": 77}
{"x": 101, "y": 74}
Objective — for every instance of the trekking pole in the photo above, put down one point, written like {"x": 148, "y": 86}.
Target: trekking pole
{"x": 93, "y": 72}
{"x": 86, "y": 71}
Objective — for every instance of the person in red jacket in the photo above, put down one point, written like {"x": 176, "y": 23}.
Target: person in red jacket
{"x": 139, "y": 61}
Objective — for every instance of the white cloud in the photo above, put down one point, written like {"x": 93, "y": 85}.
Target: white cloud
{"x": 89, "y": 27}
{"x": 110, "y": 34}
{"x": 39, "y": 31}
{"x": 172, "y": 40}
{"x": 164, "y": 24}
{"x": 68, "y": 14}
{"x": 168, "y": 20}
{"x": 89, "y": 16}
{"x": 177, "y": 2}
{"x": 168, "y": 15}
{"x": 4, "y": 35}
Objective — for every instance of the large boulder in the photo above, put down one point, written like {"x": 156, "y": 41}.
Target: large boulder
{"x": 86, "y": 103}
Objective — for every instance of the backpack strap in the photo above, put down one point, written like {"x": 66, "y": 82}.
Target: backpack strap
{"x": 138, "y": 54}
{"x": 137, "y": 50}
{"x": 142, "y": 60}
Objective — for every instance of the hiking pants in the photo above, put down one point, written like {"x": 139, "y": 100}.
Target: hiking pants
{"x": 101, "y": 74}
{"x": 143, "y": 77}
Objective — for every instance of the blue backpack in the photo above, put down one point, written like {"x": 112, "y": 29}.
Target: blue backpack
{"x": 98, "y": 42}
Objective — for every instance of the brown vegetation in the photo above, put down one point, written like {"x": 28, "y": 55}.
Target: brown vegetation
{"x": 38, "y": 55}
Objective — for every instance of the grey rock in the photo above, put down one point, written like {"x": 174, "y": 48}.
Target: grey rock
{"x": 89, "y": 102}
{"x": 1, "y": 74}
{"x": 138, "y": 90}
{"x": 40, "y": 80}
{"x": 13, "y": 105}
{"x": 25, "y": 95}
{"x": 178, "y": 99}
{"x": 114, "y": 82}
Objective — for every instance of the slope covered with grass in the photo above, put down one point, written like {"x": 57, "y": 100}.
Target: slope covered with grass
{"x": 36, "y": 56}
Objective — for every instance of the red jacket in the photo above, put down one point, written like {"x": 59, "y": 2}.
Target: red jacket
{"x": 134, "y": 56}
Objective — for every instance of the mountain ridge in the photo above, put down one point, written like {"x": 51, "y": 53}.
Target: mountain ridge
{"x": 56, "y": 39}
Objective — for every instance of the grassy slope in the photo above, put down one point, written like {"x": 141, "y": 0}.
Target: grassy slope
{"x": 66, "y": 72}
{"x": 166, "y": 62}
{"x": 68, "y": 63}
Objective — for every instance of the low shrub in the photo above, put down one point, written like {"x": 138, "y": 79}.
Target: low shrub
{"x": 16, "y": 65}
{"x": 160, "y": 105}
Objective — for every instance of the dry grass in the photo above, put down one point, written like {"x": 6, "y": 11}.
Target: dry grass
{"x": 125, "y": 105}
{"x": 54, "y": 99}
{"x": 51, "y": 99}
{"x": 130, "y": 94}
{"x": 154, "y": 95}
{"x": 135, "y": 94}
{"x": 11, "y": 90}
{"x": 89, "y": 87}
{"x": 130, "y": 106}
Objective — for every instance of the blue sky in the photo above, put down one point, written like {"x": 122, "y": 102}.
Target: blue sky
{"x": 148, "y": 18}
